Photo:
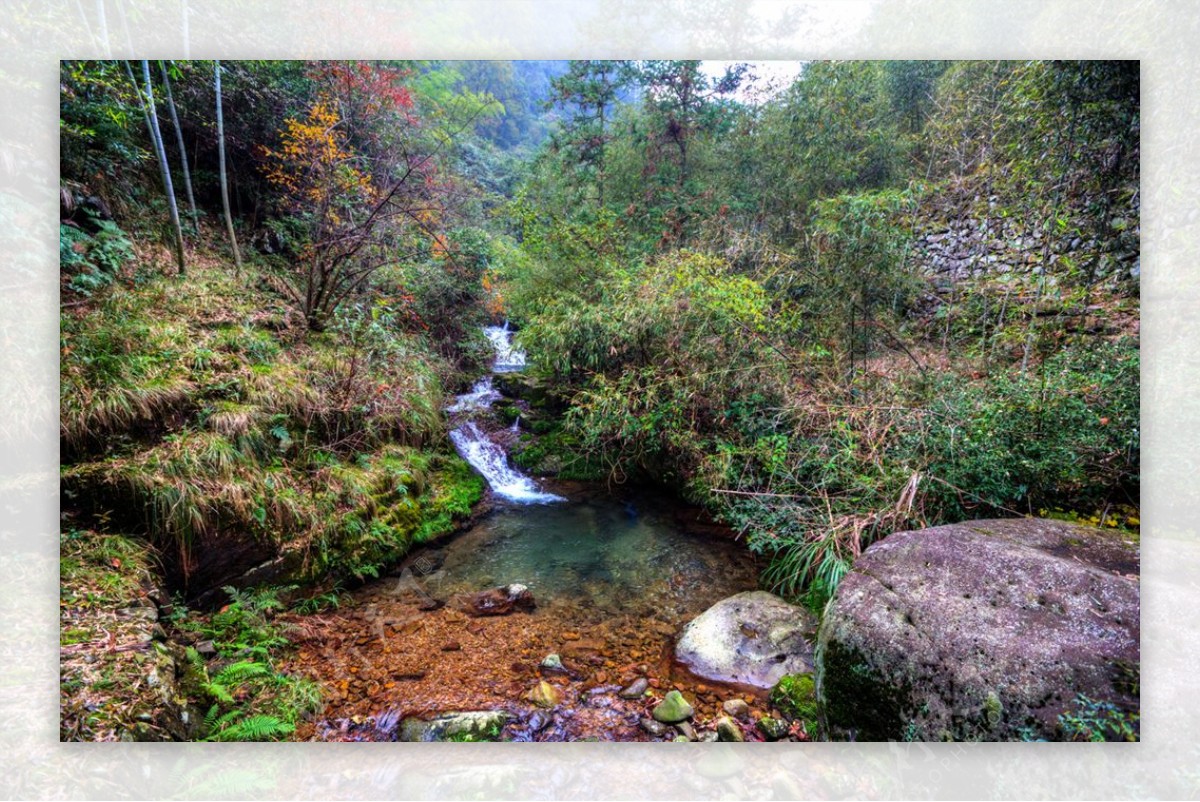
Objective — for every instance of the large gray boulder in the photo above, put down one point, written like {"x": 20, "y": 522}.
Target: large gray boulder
{"x": 753, "y": 638}
{"x": 980, "y": 630}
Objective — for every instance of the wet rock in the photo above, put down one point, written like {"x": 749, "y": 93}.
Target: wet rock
{"x": 728, "y": 730}
{"x": 655, "y": 728}
{"x": 753, "y": 638}
{"x": 681, "y": 739}
{"x": 483, "y": 725}
{"x": 672, "y": 709}
{"x": 636, "y": 689}
{"x": 980, "y": 630}
{"x": 736, "y": 708}
{"x": 545, "y": 695}
{"x": 587, "y": 647}
{"x": 773, "y": 729}
{"x": 206, "y": 648}
{"x": 686, "y": 730}
{"x": 497, "y": 601}
{"x": 553, "y": 664}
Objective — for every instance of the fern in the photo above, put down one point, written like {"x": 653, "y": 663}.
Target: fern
{"x": 254, "y": 728}
{"x": 239, "y": 672}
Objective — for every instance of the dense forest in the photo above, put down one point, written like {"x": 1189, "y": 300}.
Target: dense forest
{"x": 883, "y": 297}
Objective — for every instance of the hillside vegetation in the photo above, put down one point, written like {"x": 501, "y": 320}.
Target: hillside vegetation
{"x": 890, "y": 295}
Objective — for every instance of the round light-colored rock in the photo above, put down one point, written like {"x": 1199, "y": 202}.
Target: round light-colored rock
{"x": 980, "y": 630}
{"x": 736, "y": 708}
{"x": 553, "y": 663}
{"x": 753, "y": 638}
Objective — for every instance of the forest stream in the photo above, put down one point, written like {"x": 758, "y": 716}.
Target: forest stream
{"x": 614, "y": 578}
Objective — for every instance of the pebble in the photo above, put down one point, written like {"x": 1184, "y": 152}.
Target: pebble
{"x": 544, "y": 695}
{"x": 772, "y": 729}
{"x": 686, "y": 730}
{"x": 728, "y": 730}
{"x": 736, "y": 708}
{"x": 636, "y": 689}
{"x": 655, "y": 728}
{"x": 673, "y": 708}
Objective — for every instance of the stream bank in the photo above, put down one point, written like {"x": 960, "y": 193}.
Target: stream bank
{"x": 612, "y": 580}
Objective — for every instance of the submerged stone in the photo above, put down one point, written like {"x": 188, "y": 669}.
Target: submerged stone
{"x": 635, "y": 689}
{"x": 552, "y": 663}
{"x": 736, "y": 708}
{"x": 672, "y": 709}
{"x": 498, "y": 601}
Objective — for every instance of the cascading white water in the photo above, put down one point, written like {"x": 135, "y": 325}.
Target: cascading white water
{"x": 508, "y": 358}
{"x": 481, "y": 397}
{"x": 487, "y": 457}
{"x": 472, "y": 442}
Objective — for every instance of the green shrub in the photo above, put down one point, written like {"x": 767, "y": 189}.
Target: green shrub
{"x": 1065, "y": 434}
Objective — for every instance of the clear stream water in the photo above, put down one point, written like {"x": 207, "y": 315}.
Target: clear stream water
{"x": 599, "y": 551}
{"x": 615, "y": 579}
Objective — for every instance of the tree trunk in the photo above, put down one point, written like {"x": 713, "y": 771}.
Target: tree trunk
{"x": 146, "y": 101}
{"x": 183, "y": 159}
{"x": 237, "y": 256}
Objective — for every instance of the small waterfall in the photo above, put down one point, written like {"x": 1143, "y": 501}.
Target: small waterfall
{"x": 487, "y": 457}
{"x": 475, "y": 446}
{"x": 481, "y": 397}
{"x": 508, "y": 358}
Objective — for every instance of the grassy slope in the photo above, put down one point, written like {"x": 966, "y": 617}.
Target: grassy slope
{"x": 211, "y": 442}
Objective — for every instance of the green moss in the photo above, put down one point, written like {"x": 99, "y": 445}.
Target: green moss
{"x": 557, "y": 453}
{"x": 856, "y": 700}
{"x": 385, "y": 503}
{"x": 993, "y": 710}
{"x": 490, "y": 732}
{"x": 795, "y": 696}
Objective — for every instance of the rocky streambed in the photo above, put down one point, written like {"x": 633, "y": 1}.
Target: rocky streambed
{"x": 562, "y": 619}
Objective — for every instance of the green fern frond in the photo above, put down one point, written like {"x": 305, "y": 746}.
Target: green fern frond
{"x": 254, "y": 728}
